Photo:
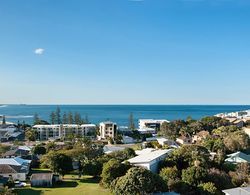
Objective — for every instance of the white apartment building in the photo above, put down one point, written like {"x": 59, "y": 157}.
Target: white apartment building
{"x": 151, "y": 124}
{"x": 107, "y": 129}
{"x": 46, "y": 132}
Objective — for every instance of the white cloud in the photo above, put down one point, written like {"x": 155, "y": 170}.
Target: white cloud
{"x": 39, "y": 51}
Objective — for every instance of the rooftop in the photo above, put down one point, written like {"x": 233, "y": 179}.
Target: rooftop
{"x": 41, "y": 176}
{"x": 150, "y": 156}
{"x": 238, "y": 191}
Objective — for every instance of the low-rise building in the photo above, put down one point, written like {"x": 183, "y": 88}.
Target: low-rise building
{"x": 237, "y": 191}
{"x": 16, "y": 153}
{"x": 238, "y": 157}
{"x": 184, "y": 139}
{"x": 107, "y": 129}
{"x": 151, "y": 123}
{"x": 200, "y": 136}
{"x": 46, "y": 132}
{"x": 147, "y": 131}
{"x": 17, "y": 167}
{"x": 150, "y": 158}
{"x": 14, "y": 171}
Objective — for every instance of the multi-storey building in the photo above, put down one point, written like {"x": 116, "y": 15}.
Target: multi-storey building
{"x": 107, "y": 129}
{"x": 45, "y": 132}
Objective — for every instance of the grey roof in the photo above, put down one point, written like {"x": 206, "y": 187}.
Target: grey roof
{"x": 16, "y": 152}
{"x": 41, "y": 176}
{"x": 14, "y": 161}
{"x": 6, "y": 169}
{"x": 237, "y": 191}
{"x": 239, "y": 155}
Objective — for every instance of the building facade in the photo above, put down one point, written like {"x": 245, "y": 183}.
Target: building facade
{"x": 107, "y": 129}
{"x": 151, "y": 124}
{"x": 45, "y": 132}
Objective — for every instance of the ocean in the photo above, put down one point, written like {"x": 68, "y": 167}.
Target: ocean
{"x": 117, "y": 113}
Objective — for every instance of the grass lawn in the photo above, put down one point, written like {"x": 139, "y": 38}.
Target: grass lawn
{"x": 70, "y": 186}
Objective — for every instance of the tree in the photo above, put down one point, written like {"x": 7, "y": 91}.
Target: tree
{"x": 65, "y": 118}
{"x": 58, "y": 115}
{"x": 131, "y": 122}
{"x": 6, "y": 191}
{"x": 194, "y": 175}
{"x": 4, "y": 148}
{"x": 30, "y": 135}
{"x": 92, "y": 167}
{"x": 207, "y": 188}
{"x": 86, "y": 120}
{"x": 123, "y": 155}
{"x": 220, "y": 178}
{"x": 236, "y": 141}
{"x": 172, "y": 129}
{"x": 58, "y": 162}
{"x": 241, "y": 174}
{"x": 36, "y": 119}
{"x": 77, "y": 118}
{"x": 138, "y": 181}
{"x": 70, "y": 118}
{"x": 50, "y": 146}
{"x": 4, "y": 120}
{"x": 52, "y": 118}
{"x": 39, "y": 149}
{"x": 111, "y": 170}
{"x": 189, "y": 155}
{"x": 10, "y": 183}
{"x": 171, "y": 176}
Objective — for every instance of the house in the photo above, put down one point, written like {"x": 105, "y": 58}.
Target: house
{"x": 237, "y": 191}
{"x": 151, "y": 123}
{"x": 109, "y": 148}
{"x": 163, "y": 141}
{"x": 127, "y": 140}
{"x": 239, "y": 123}
{"x": 147, "y": 130}
{"x": 150, "y": 159}
{"x": 17, "y": 172}
{"x": 16, "y": 153}
{"x": 184, "y": 139}
{"x": 200, "y": 136}
{"x": 107, "y": 130}
{"x": 238, "y": 157}
{"x": 18, "y": 167}
{"x": 42, "y": 180}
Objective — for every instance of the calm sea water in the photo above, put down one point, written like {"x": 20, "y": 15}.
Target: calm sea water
{"x": 117, "y": 113}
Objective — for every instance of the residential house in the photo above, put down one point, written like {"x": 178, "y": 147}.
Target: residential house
{"x": 184, "y": 139}
{"x": 239, "y": 123}
{"x": 150, "y": 158}
{"x": 16, "y": 153}
{"x": 238, "y": 157}
{"x": 237, "y": 191}
{"x": 147, "y": 131}
{"x": 21, "y": 167}
{"x": 110, "y": 148}
{"x": 200, "y": 136}
{"x": 163, "y": 141}
{"x": 17, "y": 172}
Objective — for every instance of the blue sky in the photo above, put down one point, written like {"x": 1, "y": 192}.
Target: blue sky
{"x": 125, "y": 51}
